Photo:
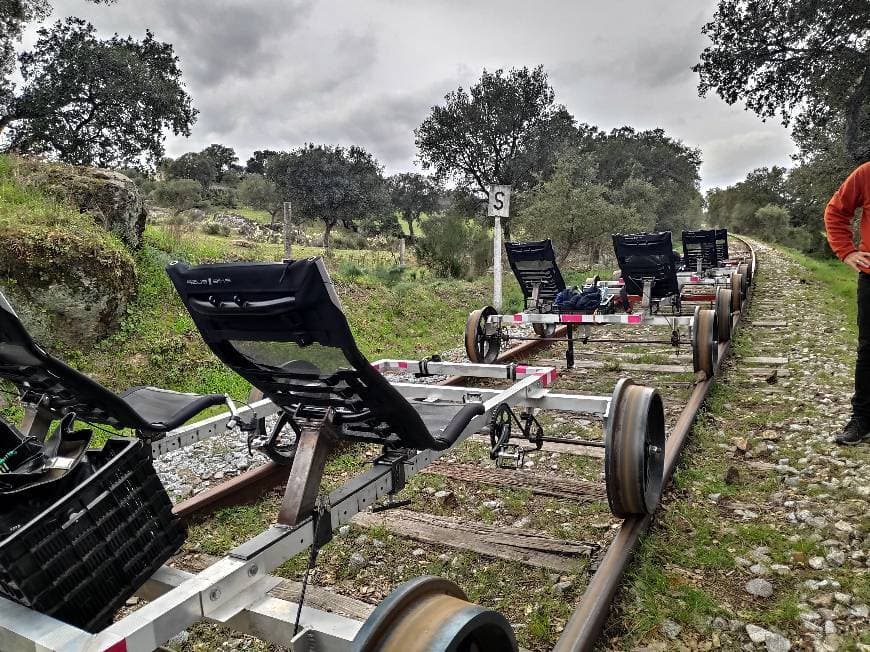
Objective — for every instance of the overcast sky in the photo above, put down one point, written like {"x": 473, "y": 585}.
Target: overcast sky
{"x": 273, "y": 74}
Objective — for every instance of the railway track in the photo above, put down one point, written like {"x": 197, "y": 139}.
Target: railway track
{"x": 600, "y": 366}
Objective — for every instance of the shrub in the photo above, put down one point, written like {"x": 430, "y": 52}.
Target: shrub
{"x": 211, "y": 227}
{"x": 349, "y": 240}
{"x": 350, "y": 269}
{"x": 454, "y": 246}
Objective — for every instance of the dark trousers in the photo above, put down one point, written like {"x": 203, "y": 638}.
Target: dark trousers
{"x": 861, "y": 399}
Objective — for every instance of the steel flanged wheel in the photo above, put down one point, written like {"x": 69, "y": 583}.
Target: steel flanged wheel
{"x": 634, "y": 439}
{"x": 736, "y": 292}
{"x": 482, "y": 342}
{"x": 431, "y": 614}
{"x": 705, "y": 347}
{"x": 544, "y": 330}
{"x": 743, "y": 270}
{"x": 723, "y": 314}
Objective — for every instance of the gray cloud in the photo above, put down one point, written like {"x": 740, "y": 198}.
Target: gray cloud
{"x": 278, "y": 73}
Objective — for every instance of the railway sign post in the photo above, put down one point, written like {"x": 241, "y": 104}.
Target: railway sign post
{"x": 498, "y": 207}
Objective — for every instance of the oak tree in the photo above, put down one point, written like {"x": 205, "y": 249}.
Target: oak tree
{"x": 92, "y": 101}
{"x": 802, "y": 59}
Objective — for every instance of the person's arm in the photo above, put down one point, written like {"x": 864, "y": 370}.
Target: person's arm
{"x": 839, "y": 214}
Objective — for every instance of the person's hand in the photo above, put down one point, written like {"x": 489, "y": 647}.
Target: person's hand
{"x": 858, "y": 260}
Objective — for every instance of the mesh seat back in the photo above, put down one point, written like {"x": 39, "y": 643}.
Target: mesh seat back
{"x": 647, "y": 255}
{"x": 281, "y": 327}
{"x": 534, "y": 263}
{"x": 710, "y": 246}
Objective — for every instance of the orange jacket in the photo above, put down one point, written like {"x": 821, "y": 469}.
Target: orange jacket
{"x": 840, "y": 211}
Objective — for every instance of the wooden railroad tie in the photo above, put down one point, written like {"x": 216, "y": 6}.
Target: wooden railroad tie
{"x": 580, "y": 491}
{"x": 531, "y": 547}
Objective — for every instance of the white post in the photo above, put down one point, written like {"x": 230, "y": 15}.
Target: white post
{"x": 498, "y": 207}
{"x": 402, "y": 251}
{"x": 288, "y": 237}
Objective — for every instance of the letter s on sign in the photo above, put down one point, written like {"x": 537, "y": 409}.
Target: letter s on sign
{"x": 498, "y": 204}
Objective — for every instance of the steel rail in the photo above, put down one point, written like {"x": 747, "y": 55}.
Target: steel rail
{"x": 584, "y": 628}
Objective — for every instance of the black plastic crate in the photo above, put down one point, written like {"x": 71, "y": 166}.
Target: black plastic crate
{"x": 79, "y": 558}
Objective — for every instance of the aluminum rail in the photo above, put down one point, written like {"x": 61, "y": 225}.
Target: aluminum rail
{"x": 586, "y": 623}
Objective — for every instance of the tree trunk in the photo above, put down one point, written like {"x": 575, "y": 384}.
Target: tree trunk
{"x": 857, "y": 136}
{"x": 410, "y": 221}
{"x": 326, "y": 237}
{"x": 506, "y": 229}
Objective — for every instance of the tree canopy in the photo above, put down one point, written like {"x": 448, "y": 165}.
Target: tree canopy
{"x": 222, "y": 157}
{"x": 92, "y": 101}
{"x": 802, "y": 59}
{"x": 192, "y": 165}
{"x": 505, "y": 129}
{"x": 258, "y": 192}
{"x": 576, "y": 211}
{"x": 671, "y": 167}
{"x": 335, "y": 185}
{"x": 413, "y": 194}
{"x": 257, "y": 163}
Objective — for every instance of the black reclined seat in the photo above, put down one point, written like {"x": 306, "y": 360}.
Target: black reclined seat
{"x": 710, "y": 246}
{"x": 44, "y": 380}
{"x": 280, "y": 326}
{"x": 535, "y": 263}
{"x": 647, "y": 255}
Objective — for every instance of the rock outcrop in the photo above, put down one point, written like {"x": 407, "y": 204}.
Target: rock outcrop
{"x": 69, "y": 278}
{"x": 110, "y": 197}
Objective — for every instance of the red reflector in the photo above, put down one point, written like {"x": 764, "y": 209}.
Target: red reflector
{"x": 120, "y": 646}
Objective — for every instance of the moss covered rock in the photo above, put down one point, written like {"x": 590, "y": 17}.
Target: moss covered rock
{"x": 69, "y": 279}
{"x": 109, "y": 197}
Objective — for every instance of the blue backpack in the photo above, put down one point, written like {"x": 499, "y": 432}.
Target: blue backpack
{"x": 573, "y": 299}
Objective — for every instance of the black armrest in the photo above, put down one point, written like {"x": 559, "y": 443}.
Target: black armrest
{"x": 459, "y": 422}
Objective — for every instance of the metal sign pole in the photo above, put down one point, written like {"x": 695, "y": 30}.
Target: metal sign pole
{"x": 496, "y": 264}
{"x": 498, "y": 207}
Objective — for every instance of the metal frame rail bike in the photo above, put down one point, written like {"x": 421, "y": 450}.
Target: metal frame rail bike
{"x": 539, "y": 277}
{"x": 485, "y": 328}
{"x": 233, "y": 591}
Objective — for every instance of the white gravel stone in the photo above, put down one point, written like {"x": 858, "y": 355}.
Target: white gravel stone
{"x": 773, "y": 642}
{"x": 671, "y": 629}
{"x": 816, "y": 563}
{"x": 759, "y": 587}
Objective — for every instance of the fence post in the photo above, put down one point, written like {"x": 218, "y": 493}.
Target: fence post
{"x": 288, "y": 237}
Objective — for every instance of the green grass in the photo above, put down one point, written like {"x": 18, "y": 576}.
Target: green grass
{"x": 840, "y": 282}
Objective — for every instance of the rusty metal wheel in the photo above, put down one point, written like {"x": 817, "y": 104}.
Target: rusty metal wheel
{"x": 723, "y": 314}
{"x": 431, "y": 614}
{"x": 634, "y": 449}
{"x": 736, "y": 292}
{"x": 705, "y": 347}
{"x": 544, "y": 330}
{"x": 743, "y": 270}
{"x": 482, "y": 342}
